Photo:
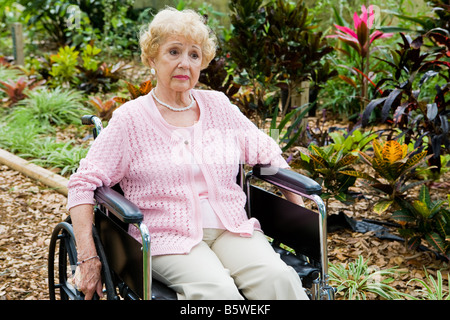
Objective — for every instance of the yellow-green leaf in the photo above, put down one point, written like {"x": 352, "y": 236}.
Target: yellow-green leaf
{"x": 345, "y": 161}
{"x": 318, "y": 162}
{"x": 377, "y": 148}
{"x": 421, "y": 208}
{"x": 392, "y": 151}
{"x": 382, "y": 206}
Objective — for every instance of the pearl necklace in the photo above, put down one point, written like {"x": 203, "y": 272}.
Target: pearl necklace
{"x": 169, "y": 106}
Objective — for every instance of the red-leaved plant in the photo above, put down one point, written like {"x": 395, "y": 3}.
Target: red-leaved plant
{"x": 360, "y": 38}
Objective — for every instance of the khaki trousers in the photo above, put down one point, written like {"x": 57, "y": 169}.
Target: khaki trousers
{"x": 224, "y": 265}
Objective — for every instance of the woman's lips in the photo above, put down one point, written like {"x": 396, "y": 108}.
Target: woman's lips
{"x": 181, "y": 77}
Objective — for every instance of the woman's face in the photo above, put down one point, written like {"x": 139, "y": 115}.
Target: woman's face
{"x": 178, "y": 63}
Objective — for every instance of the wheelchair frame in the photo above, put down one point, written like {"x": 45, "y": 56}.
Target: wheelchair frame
{"x": 310, "y": 189}
{"x": 128, "y": 213}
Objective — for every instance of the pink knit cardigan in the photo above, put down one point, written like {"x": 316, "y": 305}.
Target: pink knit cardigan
{"x": 151, "y": 161}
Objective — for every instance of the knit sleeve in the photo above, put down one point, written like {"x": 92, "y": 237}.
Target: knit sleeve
{"x": 104, "y": 165}
{"x": 256, "y": 146}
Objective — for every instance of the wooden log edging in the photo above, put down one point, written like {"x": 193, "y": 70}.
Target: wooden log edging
{"x": 33, "y": 171}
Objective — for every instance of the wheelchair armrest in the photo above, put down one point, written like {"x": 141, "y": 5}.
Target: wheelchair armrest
{"x": 287, "y": 179}
{"x": 122, "y": 208}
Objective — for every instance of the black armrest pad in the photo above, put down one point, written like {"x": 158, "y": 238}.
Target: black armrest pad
{"x": 117, "y": 204}
{"x": 287, "y": 179}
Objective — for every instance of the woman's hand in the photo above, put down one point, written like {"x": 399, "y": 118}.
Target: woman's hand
{"x": 88, "y": 274}
{"x": 293, "y": 197}
{"x": 88, "y": 278}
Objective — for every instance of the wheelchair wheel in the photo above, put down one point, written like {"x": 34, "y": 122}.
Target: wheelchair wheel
{"x": 63, "y": 252}
{"x": 63, "y": 256}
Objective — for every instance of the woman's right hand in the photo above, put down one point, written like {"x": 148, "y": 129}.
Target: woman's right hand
{"x": 88, "y": 274}
{"x": 88, "y": 278}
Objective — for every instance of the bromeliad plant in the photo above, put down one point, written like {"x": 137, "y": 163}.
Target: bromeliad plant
{"x": 394, "y": 166}
{"x": 360, "y": 38}
{"x": 17, "y": 90}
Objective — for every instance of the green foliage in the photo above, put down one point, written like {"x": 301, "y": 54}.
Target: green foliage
{"x": 289, "y": 128}
{"x": 441, "y": 9}
{"x": 64, "y": 66}
{"x": 73, "y": 22}
{"x": 417, "y": 113}
{"x": 40, "y": 113}
{"x": 88, "y": 57}
{"x": 425, "y": 219}
{"x": 353, "y": 142}
{"x": 65, "y": 156}
{"x": 357, "y": 280}
{"x": 50, "y": 17}
{"x": 433, "y": 289}
{"x": 328, "y": 166}
{"x": 394, "y": 166}
{"x": 83, "y": 70}
{"x": 272, "y": 46}
{"x": 54, "y": 107}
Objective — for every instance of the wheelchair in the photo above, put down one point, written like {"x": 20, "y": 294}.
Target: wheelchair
{"x": 298, "y": 234}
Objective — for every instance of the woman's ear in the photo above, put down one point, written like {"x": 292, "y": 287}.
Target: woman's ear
{"x": 151, "y": 62}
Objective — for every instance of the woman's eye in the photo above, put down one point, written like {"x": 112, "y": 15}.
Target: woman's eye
{"x": 173, "y": 52}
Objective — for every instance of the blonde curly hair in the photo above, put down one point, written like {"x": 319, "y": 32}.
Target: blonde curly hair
{"x": 169, "y": 22}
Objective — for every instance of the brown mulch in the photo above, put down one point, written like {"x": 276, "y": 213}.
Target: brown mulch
{"x": 29, "y": 211}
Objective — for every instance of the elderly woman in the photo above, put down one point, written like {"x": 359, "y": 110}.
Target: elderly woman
{"x": 176, "y": 154}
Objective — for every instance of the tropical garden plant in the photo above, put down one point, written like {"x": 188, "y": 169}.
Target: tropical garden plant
{"x": 353, "y": 141}
{"x": 426, "y": 219}
{"x": 50, "y": 107}
{"x": 82, "y": 69}
{"x": 359, "y": 281}
{"x": 432, "y": 289}
{"x": 417, "y": 112}
{"x": 393, "y": 167}
{"x": 326, "y": 165}
{"x": 272, "y": 46}
{"x": 43, "y": 113}
{"x": 359, "y": 40}
{"x": 16, "y": 90}
{"x": 269, "y": 48}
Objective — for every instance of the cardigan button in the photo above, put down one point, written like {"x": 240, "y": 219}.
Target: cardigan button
{"x": 186, "y": 142}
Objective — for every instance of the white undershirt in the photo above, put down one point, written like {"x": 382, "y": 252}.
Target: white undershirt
{"x": 209, "y": 217}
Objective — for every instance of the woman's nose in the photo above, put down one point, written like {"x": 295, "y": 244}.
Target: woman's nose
{"x": 184, "y": 61}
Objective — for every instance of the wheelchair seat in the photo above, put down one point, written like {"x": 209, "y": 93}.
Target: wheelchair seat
{"x": 297, "y": 234}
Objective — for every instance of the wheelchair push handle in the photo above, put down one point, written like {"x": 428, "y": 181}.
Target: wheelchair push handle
{"x": 93, "y": 120}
